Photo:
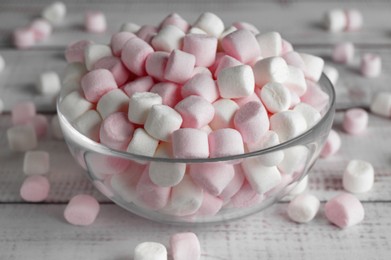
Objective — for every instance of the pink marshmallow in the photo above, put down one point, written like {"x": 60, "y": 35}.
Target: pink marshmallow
{"x": 225, "y": 142}
{"x": 242, "y": 45}
{"x": 203, "y": 47}
{"x": 234, "y": 185}
{"x": 190, "y": 143}
{"x": 115, "y": 66}
{"x": 246, "y": 26}
{"x": 40, "y": 124}
{"x": 343, "y": 52}
{"x": 213, "y": 177}
{"x": 134, "y": 54}
{"x": 245, "y": 197}
{"x": 195, "y": 111}
{"x": 370, "y": 66}
{"x": 23, "y": 112}
{"x": 213, "y": 67}
{"x": 170, "y": 93}
{"x": 156, "y": 63}
{"x": 185, "y": 246}
{"x": 116, "y": 131}
{"x": 176, "y": 20}
{"x": 344, "y": 210}
{"x": 41, "y": 28}
{"x": 315, "y": 96}
{"x": 23, "y": 38}
{"x": 286, "y": 46}
{"x": 244, "y": 100}
{"x": 201, "y": 85}
{"x": 96, "y": 83}
{"x": 332, "y": 144}
{"x": 103, "y": 166}
{"x": 146, "y": 32}
{"x": 180, "y": 66}
{"x": 81, "y": 210}
{"x": 294, "y": 59}
{"x": 141, "y": 84}
{"x": 252, "y": 121}
{"x": 354, "y": 20}
{"x": 226, "y": 62}
{"x": 355, "y": 121}
{"x": 95, "y": 22}
{"x": 210, "y": 206}
{"x": 75, "y": 51}
{"x": 118, "y": 41}
{"x": 35, "y": 188}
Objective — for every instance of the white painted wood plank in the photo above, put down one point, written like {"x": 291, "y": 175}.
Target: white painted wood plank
{"x": 40, "y": 232}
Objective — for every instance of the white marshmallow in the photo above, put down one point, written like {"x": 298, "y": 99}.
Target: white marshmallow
{"x": 300, "y": 187}
{"x": 74, "y": 105}
{"x": 210, "y": 23}
{"x": 269, "y": 139}
{"x": 275, "y": 97}
{"x": 227, "y": 31}
{"x": 310, "y": 114}
{"x": 95, "y": 52}
{"x": 74, "y": 72}
{"x": 150, "y": 251}
{"x": 236, "y": 82}
{"x": 124, "y": 184}
{"x": 294, "y": 159}
{"x": 36, "y": 163}
{"x": 225, "y": 110}
{"x": 48, "y": 83}
{"x": 313, "y": 66}
{"x": 273, "y": 69}
{"x": 22, "y": 138}
{"x": 335, "y": 20}
{"x": 303, "y": 208}
{"x": 69, "y": 86}
{"x": 113, "y": 101}
{"x": 358, "y": 176}
{"x": 332, "y": 73}
{"x": 270, "y": 44}
{"x": 166, "y": 174}
{"x": 142, "y": 143}
{"x": 55, "y": 12}
{"x": 195, "y": 30}
{"x": 129, "y": 27}
{"x": 56, "y": 128}
{"x": 288, "y": 124}
{"x": 89, "y": 124}
{"x": 168, "y": 38}
{"x": 260, "y": 177}
{"x": 139, "y": 105}
{"x": 381, "y": 104}
{"x": 2, "y": 63}
{"x": 296, "y": 81}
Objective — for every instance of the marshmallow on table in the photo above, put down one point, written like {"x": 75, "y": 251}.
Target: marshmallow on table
{"x": 332, "y": 73}
{"x": 246, "y": 26}
{"x": 95, "y": 22}
{"x": 296, "y": 81}
{"x": 142, "y": 143}
{"x": 370, "y": 66}
{"x": 190, "y": 143}
{"x": 225, "y": 142}
{"x": 203, "y": 47}
{"x": 35, "y": 188}
{"x": 311, "y": 115}
{"x": 74, "y": 72}
{"x": 170, "y": 93}
{"x": 115, "y": 66}
{"x": 225, "y": 110}
{"x": 75, "y": 51}
{"x": 124, "y": 184}
{"x": 294, "y": 160}
{"x": 22, "y": 138}
{"x": 162, "y": 121}
{"x": 96, "y": 83}
{"x": 210, "y": 23}
{"x": 335, "y": 20}
{"x": 185, "y": 246}
{"x": 355, "y": 121}
{"x": 332, "y": 144}
{"x": 225, "y": 61}
{"x": 156, "y": 63}
{"x": 252, "y": 121}
{"x": 168, "y": 39}
{"x": 313, "y": 66}
{"x": 180, "y": 66}
{"x": 354, "y": 20}
{"x": 95, "y": 52}
{"x": 41, "y": 28}
{"x": 245, "y": 197}
{"x": 36, "y": 163}
{"x": 40, "y": 125}
{"x": 150, "y": 251}
{"x": 113, "y": 101}
{"x": 55, "y": 12}
{"x": 294, "y": 59}
{"x": 381, "y": 104}
{"x": 89, "y": 124}
{"x": 129, "y": 27}
{"x": 273, "y": 69}
{"x": 315, "y": 96}
{"x": 242, "y": 45}
{"x": 23, "y": 38}
{"x": 118, "y": 41}
{"x": 141, "y": 84}
{"x": 74, "y": 105}
{"x": 201, "y": 85}
{"x": 48, "y": 83}
{"x": 196, "y": 112}
{"x": 81, "y": 210}
{"x": 269, "y": 139}
{"x": 234, "y": 185}
{"x": 56, "y": 128}
{"x": 270, "y": 44}
{"x": 23, "y": 112}
{"x": 344, "y": 210}
{"x": 343, "y": 52}
{"x": 358, "y": 176}
{"x": 303, "y": 208}
{"x": 276, "y": 97}
{"x": 140, "y": 104}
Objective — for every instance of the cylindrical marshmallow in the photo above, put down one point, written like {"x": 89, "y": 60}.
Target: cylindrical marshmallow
{"x": 303, "y": 208}
{"x": 134, "y": 54}
{"x": 273, "y": 69}
{"x": 288, "y": 124}
{"x": 381, "y": 104}
{"x": 313, "y": 66}
{"x": 295, "y": 158}
{"x": 118, "y": 41}
{"x": 140, "y": 104}
{"x": 22, "y": 138}
{"x": 210, "y": 23}
{"x": 311, "y": 115}
{"x": 354, "y": 20}
{"x": 236, "y": 82}
{"x": 225, "y": 110}
{"x": 48, "y": 83}
{"x": 355, "y": 121}
{"x": 269, "y": 139}
{"x": 190, "y": 143}
{"x": 95, "y": 52}
{"x": 168, "y": 39}
{"x": 332, "y": 144}
{"x": 371, "y": 65}
{"x": 23, "y": 38}
{"x": 335, "y": 20}
{"x": 113, "y": 101}
{"x": 23, "y": 112}
{"x": 116, "y": 131}
{"x": 96, "y": 83}
{"x": 201, "y": 85}
{"x": 35, "y": 188}
{"x": 261, "y": 178}
{"x": 275, "y": 97}
{"x": 203, "y": 47}
{"x": 225, "y": 62}
{"x": 89, "y": 124}
{"x": 150, "y": 251}
{"x": 242, "y": 45}
{"x": 315, "y": 96}
{"x": 147, "y": 32}
{"x": 358, "y": 176}
{"x": 115, "y": 66}
{"x": 270, "y": 44}
{"x": 225, "y": 142}
{"x": 141, "y": 84}
{"x": 36, "y": 163}
{"x": 196, "y": 112}
{"x": 41, "y": 28}
{"x": 180, "y": 66}
{"x": 170, "y": 93}
{"x": 54, "y": 12}
{"x": 81, "y": 210}
{"x": 343, "y": 52}
{"x": 156, "y": 63}
{"x": 142, "y": 143}
{"x": 95, "y": 22}
{"x": 185, "y": 246}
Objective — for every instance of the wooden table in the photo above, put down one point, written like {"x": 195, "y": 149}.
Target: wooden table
{"x": 39, "y": 231}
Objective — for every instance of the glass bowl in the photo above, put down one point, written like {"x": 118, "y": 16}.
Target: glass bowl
{"x": 118, "y": 174}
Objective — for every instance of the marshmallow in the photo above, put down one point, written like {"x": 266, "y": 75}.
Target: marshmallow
{"x": 354, "y": 20}
{"x": 272, "y": 69}
{"x": 115, "y": 66}
{"x": 35, "y": 188}
{"x": 89, "y": 124}
{"x": 36, "y": 163}
{"x": 2, "y": 63}
{"x": 370, "y": 66}
{"x": 225, "y": 142}
{"x": 150, "y": 194}
{"x": 294, "y": 59}
{"x": 156, "y": 63}
{"x": 95, "y": 52}
{"x": 225, "y": 110}
{"x": 335, "y": 20}
{"x": 124, "y": 184}
{"x": 260, "y": 177}
{"x": 141, "y": 84}
{"x": 140, "y": 104}
{"x": 130, "y": 27}
{"x": 142, "y": 143}
{"x": 166, "y": 174}
{"x": 275, "y": 97}
{"x": 252, "y": 121}
{"x": 81, "y": 210}
{"x": 176, "y": 20}
{"x": 344, "y": 210}
{"x": 69, "y": 87}
{"x": 245, "y": 197}
{"x": 41, "y": 28}
{"x": 190, "y": 143}
{"x": 22, "y": 112}
{"x": 236, "y": 82}
{"x": 226, "y": 31}
{"x": 185, "y": 246}
{"x": 210, "y": 206}
{"x": 168, "y": 39}
{"x": 162, "y": 121}
{"x": 286, "y": 47}
{"x": 55, "y": 12}
{"x": 210, "y": 23}
{"x": 313, "y": 66}
{"x": 23, "y": 38}
{"x": 48, "y": 83}
{"x": 331, "y": 73}
{"x": 186, "y": 198}
{"x": 270, "y": 44}
{"x": 150, "y": 251}
{"x": 310, "y": 114}
{"x": 103, "y": 166}
{"x": 203, "y": 47}
{"x": 225, "y": 62}
{"x": 74, "y": 72}
{"x": 269, "y": 139}
{"x": 332, "y": 144}
{"x": 95, "y": 22}
{"x": 247, "y": 26}
{"x": 40, "y": 125}
{"x": 294, "y": 160}
{"x": 21, "y": 138}
{"x": 96, "y": 83}
{"x": 170, "y": 93}
{"x": 315, "y": 96}
{"x": 195, "y": 30}
{"x": 196, "y": 112}
{"x": 234, "y": 185}
{"x": 201, "y": 85}
{"x": 242, "y": 45}
{"x": 74, "y": 105}
{"x": 296, "y": 81}
{"x": 299, "y": 186}
{"x": 118, "y": 41}
{"x": 303, "y": 208}
{"x": 134, "y": 54}
{"x": 213, "y": 177}
{"x": 113, "y": 101}
{"x": 75, "y": 51}
{"x": 358, "y": 176}
{"x": 343, "y": 52}
{"x": 244, "y": 100}
{"x": 355, "y": 121}
{"x": 201, "y": 70}
{"x": 381, "y": 104}
{"x": 56, "y": 128}
{"x": 180, "y": 66}
{"x": 147, "y": 32}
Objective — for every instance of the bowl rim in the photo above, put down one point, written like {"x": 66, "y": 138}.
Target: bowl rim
{"x": 102, "y": 149}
